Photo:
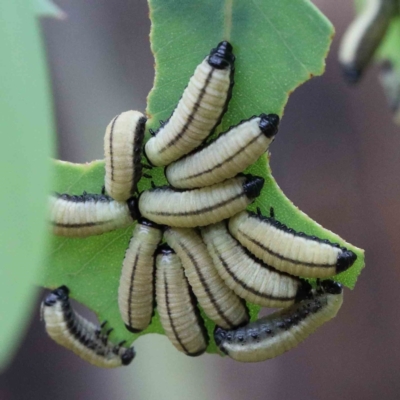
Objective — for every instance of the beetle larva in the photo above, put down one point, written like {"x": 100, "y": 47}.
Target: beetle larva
{"x": 279, "y": 332}
{"x": 179, "y": 316}
{"x": 123, "y": 144}
{"x": 231, "y": 153}
{"x": 89, "y": 214}
{"x": 218, "y": 301}
{"x": 248, "y": 277}
{"x": 363, "y": 37}
{"x": 199, "y": 207}
{"x": 199, "y": 110}
{"x": 287, "y": 250}
{"x": 136, "y": 288}
{"x": 71, "y": 330}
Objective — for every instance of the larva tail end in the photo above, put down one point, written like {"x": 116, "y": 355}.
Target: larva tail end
{"x": 198, "y": 353}
{"x": 128, "y": 356}
{"x": 252, "y": 186}
{"x": 221, "y": 57}
{"x": 133, "y": 206}
{"x": 269, "y": 124}
{"x": 132, "y": 329}
{"x": 351, "y": 74}
{"x": 331, "y": 287}
{"x": 345, "y": 260}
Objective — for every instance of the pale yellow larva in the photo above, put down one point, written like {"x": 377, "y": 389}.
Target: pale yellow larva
{"x": 76, "y": 333}
{"x": 199, "y": 207}
{"x": 287, "y": 250}
{"x": 279, "y": 332}
{"x": 248, "y": 277}
{"x": 199, "y": 110}
{"x": 231, "y": 153}
{"x": 219, "y": 302}
{"x": 136, "y": 288}
{"x": 89, "y": 214}
{"x": 123, "y": 144}
{"x": 178, "y": 315}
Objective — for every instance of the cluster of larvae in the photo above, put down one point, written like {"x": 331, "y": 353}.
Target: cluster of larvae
{"x": 195, "y": 237}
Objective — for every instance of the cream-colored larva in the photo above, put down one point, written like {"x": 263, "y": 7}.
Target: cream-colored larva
{"x": 364, "y": 35}
{"x": 279, "y": 332}
{"x": 219, "y": 302}
{"x": 76, "y": 333}
{"x": 287, "y": 250}
{"x": 199, "y": 207}
{"x": 179, "y": 316}
{"x": 123, "y": 144}
{"x": 231, "y": 153}
{"x": 199, "y": 110}
{"x": 248, "y": 277}
{"x": 89, "y": 214}
{"x": 136, "y": 287}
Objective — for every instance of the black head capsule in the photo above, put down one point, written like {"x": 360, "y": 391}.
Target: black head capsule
{"x": 219, "y": 335}
{"x": 269, "y": 124}
{"x": 133, "y": 208}
{"x": 59, "y": 294}
{"x": 221, "y": 57}
{"x": 351, "y": 74}
{"x": 252, "y": 186}
{"x": 164, "y": 249}
{"x": 345, "y": 260}
{"x": 331, "y": 287}
{"x": 128, "y": 356}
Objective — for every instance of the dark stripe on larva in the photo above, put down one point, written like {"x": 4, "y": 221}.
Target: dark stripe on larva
{"x": 191, "y": 115}
{"x": 111, "y": 147}
{"x": 206, "y": 288}
{"x": 171, "y": 320}
{"x": 131, "y": 286}
{"x": 268, "y": 250}
{"x": 86, "y": 224}
{"x": 137, "y": 153}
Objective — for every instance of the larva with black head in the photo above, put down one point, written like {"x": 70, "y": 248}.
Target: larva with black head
{"x": 89, "y": 214}
{"x": 199, "y": 111}
{"x": 71, "y": 330}
{"x": 123, "y": 144}
{"x": 287, "y": 250}
{"x": 248, "y": 277}
{"x": 199, "y": 207}
{"x": 136, "y": 286}
{"x": 179, "y": 316}
{"x": 219, "y": 302}
{"x": 231, "y": 153}
{"x": 363, "y": 37}
{"x": 281, "y": 331}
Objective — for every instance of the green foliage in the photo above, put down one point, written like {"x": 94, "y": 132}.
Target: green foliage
{"x": 26, "y": 127}
{"x": 278, "y": 46}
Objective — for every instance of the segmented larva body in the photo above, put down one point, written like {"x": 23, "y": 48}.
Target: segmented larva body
{"x": 123, "y": 144}
{"x": 231, "y": 153}
{"x": 199, "y": 110}
{"x": 74, "y": 332}
{"x": 364, "y": 35}
{"x": 89, "y": 214}
{"x": 287, "y": 250}
{"x": 199, "y": 207}
{"x": 248, "y": 277}
{"x": 136, "y": 288}
{"x": 218, "y": 301}
{"x": 179, "y": 316}
{"x": 279, "y": 332}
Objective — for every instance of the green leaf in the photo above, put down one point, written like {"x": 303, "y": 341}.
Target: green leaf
{"x": 26, "y": 126}
{"x": 278, "y": 46}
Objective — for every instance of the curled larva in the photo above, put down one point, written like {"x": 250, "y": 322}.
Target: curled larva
{"x": 199, "y": 110}
{"x": 89, "y": 214}
{"x": 76, "y": 333}
{"x": 231, "y": 153}
{"x": 123, "y": 144}
{"x": 136, "y": 287}
{"x": 287, "y": 250}
{"x": 248, "y": 277}
{"x": 179, "y": 315}
{"x": 199, "y": 207}
{"x": 279, "y": 332}
{"x": 219, "y": 302}
{"x": 364, "y": 35}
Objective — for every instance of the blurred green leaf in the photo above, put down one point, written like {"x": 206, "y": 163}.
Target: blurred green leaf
{"x": 46, "y": 8}
{"x": 26, "y": 126}
{"x": 278, "y": 46}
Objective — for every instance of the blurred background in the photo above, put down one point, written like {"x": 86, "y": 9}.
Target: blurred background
{"x": 337, "y": 158}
